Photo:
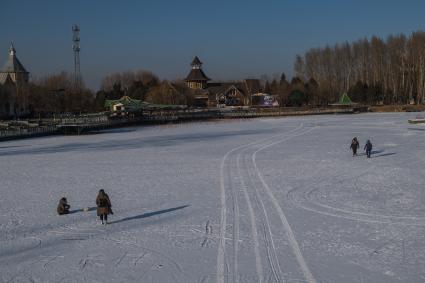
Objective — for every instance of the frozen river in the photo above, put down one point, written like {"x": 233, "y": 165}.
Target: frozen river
{"x": 261, "y": 200}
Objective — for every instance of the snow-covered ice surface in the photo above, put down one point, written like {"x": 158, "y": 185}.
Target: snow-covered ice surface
{"x": 262, "y": 200}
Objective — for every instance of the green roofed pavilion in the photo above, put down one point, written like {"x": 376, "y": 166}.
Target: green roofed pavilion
{"x": 127, "y": 102}
{"x": 345, "y": 99}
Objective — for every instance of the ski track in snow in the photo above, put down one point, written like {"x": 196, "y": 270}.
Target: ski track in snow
{"x": 272, "y": 257}
{"x": 254, "y": 230}
{"x": 221, "y": 255}
{"x": 235, "y": 238}
{"x": 289, "y": 232}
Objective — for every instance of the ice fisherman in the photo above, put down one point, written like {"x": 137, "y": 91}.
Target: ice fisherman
{"x": 354, "y": 145}
{"x": 103, "y": 206}
{"x": 63, "y": 206}
{"x": 368, "y": 148}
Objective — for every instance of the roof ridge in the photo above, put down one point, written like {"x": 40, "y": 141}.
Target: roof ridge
{"x": 13, "y": 65}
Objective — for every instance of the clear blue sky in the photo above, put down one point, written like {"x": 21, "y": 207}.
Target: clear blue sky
{"x": 234, "y": 39}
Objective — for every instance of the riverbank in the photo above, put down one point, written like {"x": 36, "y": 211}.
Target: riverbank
{"x": 397, "y": 108}
{"x": 81, "y": 124}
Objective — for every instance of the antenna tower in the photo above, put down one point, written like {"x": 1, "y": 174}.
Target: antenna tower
{"x": 76, "y": 48}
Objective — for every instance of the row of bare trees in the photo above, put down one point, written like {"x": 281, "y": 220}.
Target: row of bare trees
{"x": 293, "y": 93}
{"x": 390, "y": 71}
{"x": 57, "y": 94}
{"x": 145, "y": 86}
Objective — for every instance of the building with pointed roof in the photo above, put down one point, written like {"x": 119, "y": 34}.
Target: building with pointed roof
{"x": 219, "y": 94}
{"x": 14, "y": 69}
{"x": 13, "y": 79}
{"x": 196, "y": 79}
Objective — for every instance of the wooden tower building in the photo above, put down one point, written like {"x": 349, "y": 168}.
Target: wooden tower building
{"x": 196, "y": 79}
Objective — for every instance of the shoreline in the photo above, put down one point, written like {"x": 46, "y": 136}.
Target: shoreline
{"x": 194, "y": 115}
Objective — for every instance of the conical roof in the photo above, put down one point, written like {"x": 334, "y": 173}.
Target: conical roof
{"x": 196, "y": 61}
{"x": 197, "y": 75}
{"x": 13, "y": 65}
{"x": 345, "y": 99}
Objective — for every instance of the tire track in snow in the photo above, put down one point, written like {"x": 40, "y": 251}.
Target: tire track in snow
{"x": 223, "y": 220}
{"x": 309, "y": 203}
{"x": 272, "y": 258}
{"x": 289, "y": 232}
{"x": 352, "y": 216}
{"x": 221, "y": 261}
{"x": 235, "y": 236}
{"x": 314, "y": 200}
{"x": 254, "y": 231}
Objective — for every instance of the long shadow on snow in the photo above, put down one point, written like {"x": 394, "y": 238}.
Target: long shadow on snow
{"x": 11, "y": 146}
{"x": 136, "y": 143}
{"x": 384, "y": 154}
{"x": 372, "y": 152}
{"x": 377, "y": 153}
{"x": 81, "y": 210}
{"x": 416, "y": 129}
{"x": 149, "y": 214}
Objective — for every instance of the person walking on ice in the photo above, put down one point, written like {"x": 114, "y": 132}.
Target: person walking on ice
{"x": 103, "y": 206}
{"x": 368, "y": 148}
{"x": 354, "y": 146}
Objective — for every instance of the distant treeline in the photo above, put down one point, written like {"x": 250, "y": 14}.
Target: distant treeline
{"x": 371, "y": 71}
{"x": 143, "y": 85}
{"x": 56, "y": 93}
{"x": 48, "y": 95}
{"x": 390, "y": 71}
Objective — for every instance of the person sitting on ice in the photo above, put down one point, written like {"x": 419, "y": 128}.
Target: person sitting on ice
{"x": 368, "y": 148}
{"x": 354, "y": 146}
{"x": 63, "y": 206}
{"x": 103, "y": 206}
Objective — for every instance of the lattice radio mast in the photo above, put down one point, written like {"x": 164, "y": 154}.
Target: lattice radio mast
{"x": 76, "y": 48}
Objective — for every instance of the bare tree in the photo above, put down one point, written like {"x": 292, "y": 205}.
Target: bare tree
{"x": 392, "y": 70}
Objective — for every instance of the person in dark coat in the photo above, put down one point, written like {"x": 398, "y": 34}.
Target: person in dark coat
{"x": 354, "y": 146}
{"x": 103, "y": 206}
{"x": 368, "y": 148}
{"x": 63, "y": 206}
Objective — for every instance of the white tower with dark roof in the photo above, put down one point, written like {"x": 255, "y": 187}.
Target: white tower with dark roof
{"x": 13, "y": 69}
{"x": 13, "y": 79}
